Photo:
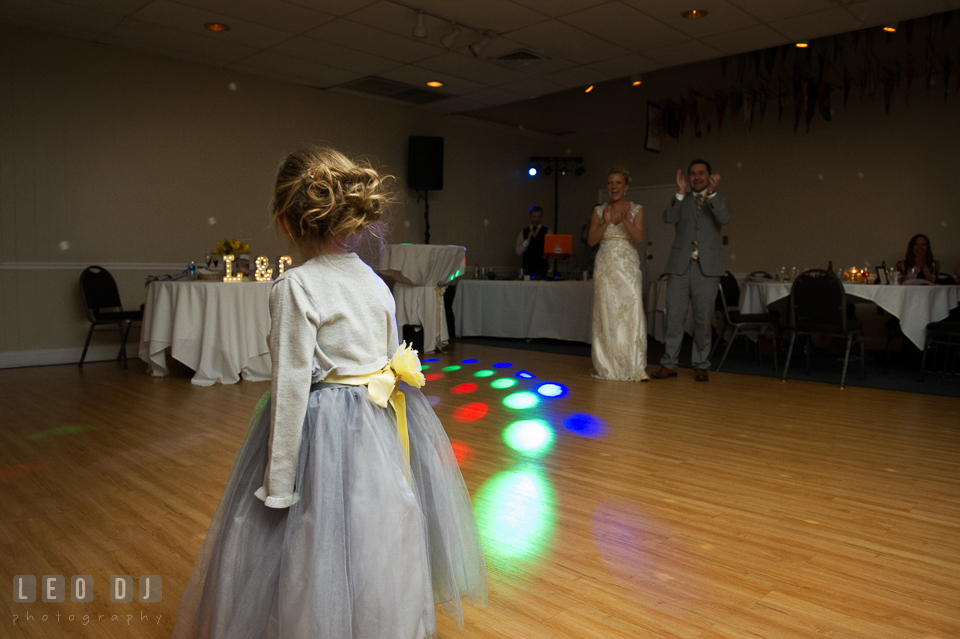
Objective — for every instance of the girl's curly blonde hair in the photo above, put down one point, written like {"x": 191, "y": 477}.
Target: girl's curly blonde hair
{"x": 322, "y": 195}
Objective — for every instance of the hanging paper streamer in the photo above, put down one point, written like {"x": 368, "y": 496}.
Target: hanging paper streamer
{"x": 721, "y": 101}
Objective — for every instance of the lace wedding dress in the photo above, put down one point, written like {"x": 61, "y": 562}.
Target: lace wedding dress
{"x": 619, "y": 326}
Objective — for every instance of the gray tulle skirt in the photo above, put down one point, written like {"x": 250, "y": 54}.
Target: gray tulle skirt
{"x": 363, "y": 554}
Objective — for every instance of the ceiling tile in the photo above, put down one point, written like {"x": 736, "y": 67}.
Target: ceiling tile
{"x": 359, "y": 36}
{"x": 336, "y": 7}
{"x": 46, "y": 27}
{"x": 494, "y": 96}
{"x": 466, "y": 66}
{"x": 626, "y": 65}
{"x": 61, "y": 15}
{"x": 577, "y": 76}
{"x": 721, "y": 16}
{"x": 559, "y": 7}
{"x": 419, "y": 77}
{"x": 772, "y": 10}
{"x": 400, "y": 20}
{"x": 137, "y": 45}
{"x": 565, "y": 41}
{"x": 117, "y": 7}
{"x": 532, "y": 87}
{"x": 335, "y": 55}
{"x": 284, "y": 16}
{"x": 222, "y": 51}
{"x": 750, "y": 39}
{"x": 191, "y": 20}
{"x": 625, "y": 26}
{"x": 685, "y": 53}
{"x": 878, "y": 12}
{"x": 815, "y": 25}
{"x": 322, "y": 75}
{"x": 455, "y": 105}
{"x": 494, "y": 15}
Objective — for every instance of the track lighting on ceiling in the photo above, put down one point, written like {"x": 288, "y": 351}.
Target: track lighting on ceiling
{"x": 479, "y": 45}
{"x": 450, "y": 37}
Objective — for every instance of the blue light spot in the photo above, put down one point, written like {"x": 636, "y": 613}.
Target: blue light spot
{"x": 552, "y": 390}
{"x": 525, "y": 375}
{"x": 432, "y": 359}
{"x": 433, "y": 399}
{"x": 470, "y": 361}
{"x": 585, "y": 425}
{"x": 532, "y": 171}
{"x": 502, "y": 365}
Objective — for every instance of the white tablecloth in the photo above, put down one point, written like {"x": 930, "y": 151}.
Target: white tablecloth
{"x": 656, "y": 310}
{"x": 914, "y": 306}
{"x": 421, "y": 272}
{"x": 218, "y": 329}
{"x": 494, "y": 308}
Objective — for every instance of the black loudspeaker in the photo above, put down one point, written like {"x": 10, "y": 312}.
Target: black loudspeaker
{"x": 425, "y": 163}
{"x": 412, "y": 334}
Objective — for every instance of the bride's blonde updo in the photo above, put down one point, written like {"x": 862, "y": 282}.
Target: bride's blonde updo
{"x": 622, "y": 170}
{"x": 321, "y": 195}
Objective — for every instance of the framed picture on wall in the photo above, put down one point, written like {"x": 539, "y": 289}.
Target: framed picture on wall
{"x": 654, "y": 128}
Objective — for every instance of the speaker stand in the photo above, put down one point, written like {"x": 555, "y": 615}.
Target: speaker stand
{"x": 426, "y": 216}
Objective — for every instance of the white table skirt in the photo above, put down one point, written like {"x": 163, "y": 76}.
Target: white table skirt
{"x": 218, "y": 329}
{"x": 554, "y": 310}
{"x": 914, "y": 306}
{"x": 421, "y": 272}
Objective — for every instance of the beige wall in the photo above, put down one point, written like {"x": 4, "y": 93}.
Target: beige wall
{"x": 115, "y": 156}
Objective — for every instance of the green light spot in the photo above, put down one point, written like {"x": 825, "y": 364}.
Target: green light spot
{"x": 521, "y": 400}
{"x": 486, "y": 373}
{"x": 503, "y": 382}
{"x": 451, "y": 368}
{"x": 424, "y": 367}
{"x": 62, "y": 430}
{"x": 532, "y": 437}
{"x": 455, "y": 275}
{"x": 516, "y": 515}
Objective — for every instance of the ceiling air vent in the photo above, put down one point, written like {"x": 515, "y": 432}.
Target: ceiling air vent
{"x": 394, "y": 90}
{"x": 522, "y": 56}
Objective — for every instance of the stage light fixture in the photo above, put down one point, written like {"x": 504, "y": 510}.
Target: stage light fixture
{"x": 479, "y": 45}
{"x": 450, "y": 37}
{"x": 547, "y": 170}
{"x": 580, "y": 171}
{"x": 532, "y": 171}
{"x": 420, "y": 28}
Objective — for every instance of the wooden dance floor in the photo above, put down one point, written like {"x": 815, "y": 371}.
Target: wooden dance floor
{"x": 740, "y": 508}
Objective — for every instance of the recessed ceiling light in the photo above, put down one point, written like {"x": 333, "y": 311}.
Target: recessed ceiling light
{"x": 694, "y": 13}
{"x": 637, "y": 83}
{"x": 435, "y": 84}
{"x": 589, "y": 89}
{"x": 216, "y": 26}
{"x": 890, "y": 28}
{"x": 803, "y": 44}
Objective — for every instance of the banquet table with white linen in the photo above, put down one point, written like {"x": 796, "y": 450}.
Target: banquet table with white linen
{"x": 914, "y": 306}
{"x": 422, "y": 272}
{"x": 218, "y": 329}
{"x": 517, "y": 309}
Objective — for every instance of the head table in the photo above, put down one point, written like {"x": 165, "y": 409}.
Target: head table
{"x": 914, "y": 306}
{"x": 218, "y": 329}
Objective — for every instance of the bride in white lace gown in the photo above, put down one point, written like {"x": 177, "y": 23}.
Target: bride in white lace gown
{"x": 619, "y": 327}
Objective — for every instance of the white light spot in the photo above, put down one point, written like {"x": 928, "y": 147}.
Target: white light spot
{"x": 867, "y": 263}
{"x": 860, "y": 174}
{"x": 211, "y": 220}
{"x": 406, "y": 223}
{"x": 486, "y": 222}
{"x": 944, "y": 224}
{"x": 64, "y": 245}
{"x": 739, "y": 165}
{"x": 233, "y": 86}
{"x": 820, "y": 176}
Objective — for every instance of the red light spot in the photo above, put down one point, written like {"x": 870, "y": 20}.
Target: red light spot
{"x": 9, "y": 473}
{"x": 470, "y": 412}
{"x": 462, "y": 389}
{"x": 462, "y": 452}
{"x": 433, "y": 376}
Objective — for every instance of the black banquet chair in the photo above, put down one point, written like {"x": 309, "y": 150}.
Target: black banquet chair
{"x": 818, "y": 306}
{"x": 758, "y": 323}
{"x": 101, "y": 299}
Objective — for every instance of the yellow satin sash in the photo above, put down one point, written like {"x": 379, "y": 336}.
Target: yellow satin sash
{"x": 383, "y": 389}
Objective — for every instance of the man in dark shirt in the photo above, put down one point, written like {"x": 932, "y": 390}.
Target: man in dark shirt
{"x": 530, "y": 245}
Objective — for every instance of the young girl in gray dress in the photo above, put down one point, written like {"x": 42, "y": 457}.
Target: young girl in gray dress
{"x": 345, "y": 514}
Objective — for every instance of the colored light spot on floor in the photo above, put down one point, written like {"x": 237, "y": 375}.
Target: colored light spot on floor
{"x": 503, "y": 382}
{"x": 516, "y": 514}
{"x": 470, "y": 412}
{"x": 450, "y": 369}
{"x": 424, "y": 367}
{"x": 9, "y": 473}
{"x": 470, "y": 361}
{"x": 525, "y": 375}
{"x": 463, "y": 389}
{"x": 521, "y": 400}
{"x": 462, "y": 452}
{"x": 433, "y": 376}
{"x": 532, "y": 437}
{"x": 502, "y": 365}
{"x": 484, "y": 373}
{"x": 62, "y": 430}
{"x": 433, "y": 399}
{"x": 552, "y": 390}
{"x": 585, "y": 425}
{"x": 432, "y": 359}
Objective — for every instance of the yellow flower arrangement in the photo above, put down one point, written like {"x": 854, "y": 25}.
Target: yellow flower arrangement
{"x": 232, "y": 247}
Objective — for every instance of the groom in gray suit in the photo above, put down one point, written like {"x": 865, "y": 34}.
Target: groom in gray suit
{"x": 694, "y": 266}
